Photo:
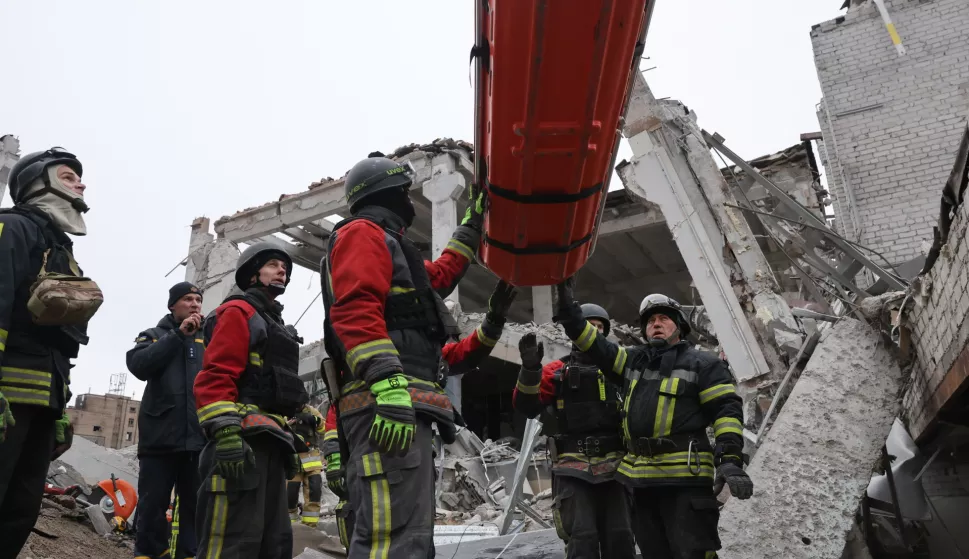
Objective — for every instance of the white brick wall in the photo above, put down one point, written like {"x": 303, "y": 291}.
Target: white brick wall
{"x": 938, "y": 320}
{"x": 896, "y": 155}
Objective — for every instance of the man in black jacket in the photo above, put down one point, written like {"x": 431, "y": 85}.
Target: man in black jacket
{"x": 169, "y": 356}
{"x": 37, "y": 342}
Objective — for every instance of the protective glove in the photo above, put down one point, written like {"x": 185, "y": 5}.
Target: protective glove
{"x": 531, "y": 351}
{"x": 474, "y": 216}
{"x": 307, "y": 418}
{"x": 63, "y": 436}
{"x": 232, "y": 452}
{"x": 499, "y": 303}
{"x": 6, "y": 417}
{"x": 293, "y": 465}
{"x": 568, "y": 313}
{"x": 736, "y": 478}
{"x": 336, "y": 476}
{"x": 394, "y": 421}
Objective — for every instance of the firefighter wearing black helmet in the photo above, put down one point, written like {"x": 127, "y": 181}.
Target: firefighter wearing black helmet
{"x": 672, "y": 393}
{"x": 590, "y": 508}
{"x": 247, "y": 389}
{"x": 38, "y": 334}
{"x": 385, "y": 326}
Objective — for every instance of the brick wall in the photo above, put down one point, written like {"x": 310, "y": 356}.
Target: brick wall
{"x": 939, "y": 327}
{"x": 896, "y": 147}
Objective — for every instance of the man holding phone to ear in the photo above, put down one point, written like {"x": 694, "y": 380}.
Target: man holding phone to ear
{"x": 168, "y": 357}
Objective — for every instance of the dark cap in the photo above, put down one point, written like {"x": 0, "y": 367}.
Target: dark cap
{"x": 180, "y": 290}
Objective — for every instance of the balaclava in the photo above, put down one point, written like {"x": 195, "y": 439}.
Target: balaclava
{"x": 58, "y": 206}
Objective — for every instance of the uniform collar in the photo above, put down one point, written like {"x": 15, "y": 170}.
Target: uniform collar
{"x": 383, "y": 217}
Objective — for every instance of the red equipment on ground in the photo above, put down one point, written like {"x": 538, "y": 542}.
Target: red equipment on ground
{"x": 552, "y": 83}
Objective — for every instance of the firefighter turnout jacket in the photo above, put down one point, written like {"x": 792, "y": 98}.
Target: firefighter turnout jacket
{"x": 169, "y": 361}
{"x": 384, "y": 309}
{"x": 249, "y": 374}
{"x": 586, "y": 407}
{"x": 311, "y": 461}
{"x": 34, "y": 360}
{"x": 671, "y": 396}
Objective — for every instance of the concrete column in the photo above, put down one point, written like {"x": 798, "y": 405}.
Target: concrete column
{"x": 443, "y": 189}
{"x": 542, "y": 304}
{"x": 216, "y": 277}
{"x": 9, "y": 154}
{"x": 199, "y": 245}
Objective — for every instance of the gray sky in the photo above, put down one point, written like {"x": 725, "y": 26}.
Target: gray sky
{"x": 181, "y": 109}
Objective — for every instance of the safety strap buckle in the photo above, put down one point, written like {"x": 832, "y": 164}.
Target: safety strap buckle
{"x": 589, "y": 446}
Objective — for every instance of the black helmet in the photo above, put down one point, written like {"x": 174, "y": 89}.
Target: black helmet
{"x": 659, "y": 303}
{"x": 375, "y": 174}
{"x": 254, "y": 257}
{"x": 590, "y": 310}
{"x": 33, "y": 166}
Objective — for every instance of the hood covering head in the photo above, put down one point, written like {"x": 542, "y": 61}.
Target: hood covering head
{"x": 60, "y": 203}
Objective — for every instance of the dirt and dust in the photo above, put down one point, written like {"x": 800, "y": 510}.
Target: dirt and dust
{"x": 67, "y": 534}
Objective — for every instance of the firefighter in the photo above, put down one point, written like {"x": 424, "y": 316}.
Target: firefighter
{"x": 168, "y": 357}
{"x": 246, "y": 391}
{"x": 462, "y": 357}
{"x": 589, "y": 506}
{"x": 42, "y": 326}
{"x": 385, "y": 326}
{"x": 672, "y": 393}
{"x": 307, "y": 425}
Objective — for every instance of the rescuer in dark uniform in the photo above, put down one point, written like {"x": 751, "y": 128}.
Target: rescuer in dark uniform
{"x": 385, "y": 326}
{"x": 42, "y": 325}
{"x": 462, "y": 357}
{"x": 248, "y": 387}
{"x": 168, "y": 357}
{"x": 672, "y": 393}
{"x": 590, "y": 508}
{"x": 308, "y": 425}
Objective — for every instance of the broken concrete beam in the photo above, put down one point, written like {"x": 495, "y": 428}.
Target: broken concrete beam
{"x": 101, "y": 525}
{"x": 815, "y": 463}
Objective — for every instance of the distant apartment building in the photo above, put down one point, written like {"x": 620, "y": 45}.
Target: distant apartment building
{"x": 109, "y": 420}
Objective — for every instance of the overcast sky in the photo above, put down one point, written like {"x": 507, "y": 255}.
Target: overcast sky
{"x": 182, "y": 109}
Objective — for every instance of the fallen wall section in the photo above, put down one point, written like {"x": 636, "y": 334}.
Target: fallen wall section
{"x": 813, "y": 468}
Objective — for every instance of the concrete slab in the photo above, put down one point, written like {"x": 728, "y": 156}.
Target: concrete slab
{"x": 96, "y": 462}
{"x": 813, "y": 468}
{"x": 305, "y": 537}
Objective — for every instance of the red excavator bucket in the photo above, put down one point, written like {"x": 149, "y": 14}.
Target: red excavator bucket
{"x": 552, "y": 82}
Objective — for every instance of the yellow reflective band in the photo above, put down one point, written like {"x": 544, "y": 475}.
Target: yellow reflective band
{"x": 17, "y": 395}
{"x": 255, "y": 359}
{"x": 665, "y": 406}
{"x": 220, "y": 514}
{"x": 217, "y": 484}
{"x": 602, "y": 387}
{"x": 625, "y": 409}
{"x": 893, "y": 33}
{"x": 460, "y": 248}
{"x": 715, "y": 392}
{"x": 620, "y": 363}
{"x": 401, "y": 289}
{"x": 25, "y": 376}
{"x": 330, "y": 435}
{"x": 490, "y": 342}
{"x": 710, "y": 555}
{"x": 1, "y": 228}
{"x": 199, "y": 341}
{"x": 528, "y": 389}
{"x": 315, "y": 463}
{"x": 726, "y": 425}
{"x": 560, "y": 404}
{"x": 672, "y": 465}
{"x": 3, "y": 333}
{"x": 588, "y": 335}
{"x": 369, "y": 349}
{"x": 380, "y": 501}
{"x": 215, "y": 409}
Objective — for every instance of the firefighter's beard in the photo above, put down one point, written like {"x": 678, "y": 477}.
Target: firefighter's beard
{"x": 58, "y": 208}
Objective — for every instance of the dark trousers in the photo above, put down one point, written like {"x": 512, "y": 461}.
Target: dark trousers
{"x": 159, "y": 473}
{"x": 24, "y": 459}
{"x": 392, "y": 496}
{"x": 676, "y": 522}
{"x": 245, "y": 517}
{"x": 593, "y": 519}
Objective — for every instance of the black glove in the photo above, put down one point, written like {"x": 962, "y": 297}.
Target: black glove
{"x": 568, "y": 313}
{"x": 736, "y": 478}
{"x": 307, "y": 418}
{"x": 499, "y": 302}
{"x": 293, "y": 466}
{"x": 531, "y": 351}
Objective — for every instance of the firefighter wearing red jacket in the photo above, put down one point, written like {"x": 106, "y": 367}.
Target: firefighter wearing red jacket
{"x": 457, "y": 358}
{"x": 385, "y": 325}
{"x": 589, "y": 507}
{"x": 247, "y": 389}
